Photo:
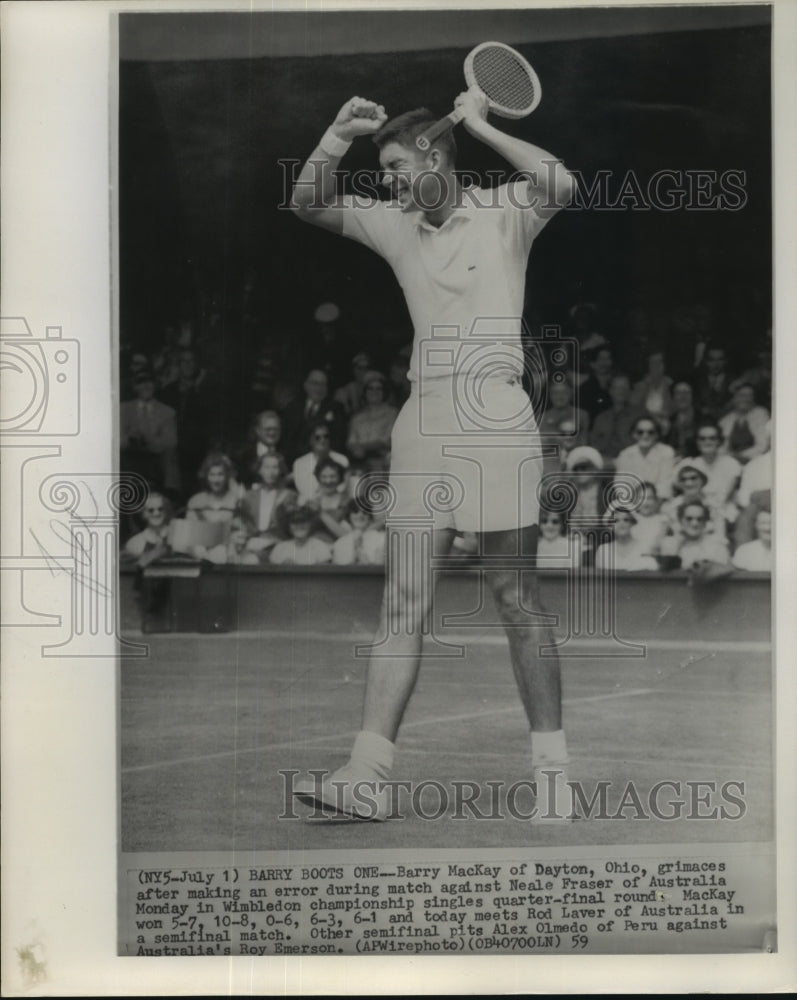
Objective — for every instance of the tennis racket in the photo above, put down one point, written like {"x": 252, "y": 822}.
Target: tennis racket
{"x": 506, "y": 79}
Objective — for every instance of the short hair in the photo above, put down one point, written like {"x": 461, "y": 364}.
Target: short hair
{"x": 620, "y": 510}
{"x": 405, "y": 129}
{"x": 215, "y": 458}
{"x": 694, "y": 503}
{"x": 710, "y": 425}
{"x": 647, "y": 418}
{"x": 329, "y": 463}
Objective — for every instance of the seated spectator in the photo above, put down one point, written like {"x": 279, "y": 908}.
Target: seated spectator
{"x": 363, "y": 545}
{"x": 152, "y": 542}
{"x": 593, "y": 394}
{"x": 331, "y": 501}
{"x": 561, "y": 419}
{"x": 352, "y": 395}
{"x": 148, "y": 436}
{"x": 219, "y": 500}
{"x": 651, "y": 525}
{"x": 611, "y": 429}
{"x": 712, "y": 385}
{"x": 313, "y": 406}
{"x": 694, "y": 543}
{"x": 187, "y": 395}
{"x": 590, "y": 504}
{"x": 269, "y": 503}
{"x": 624, "y": 552}
{"x": 722, "y": 470}
{"x": 745, "y": 426}
{"x": 301, "y": 549}
{"x": 304, "y": 478}
{"x": 681, "y": 435}
{"x": 264, "y": 435}
{"x": 370, "y": 428}
{"x": 236, "y": 551}
{"x": 756, "y": 556}
{"x": 756, "y": 478}
{"x": 689, "y": 487}
{"x": 648, "y": 458}
{"x": 552, "y": 540}
{"x": 653, "y": 392}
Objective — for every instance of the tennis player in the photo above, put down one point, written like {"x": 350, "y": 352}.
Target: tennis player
{"x": 460, "y": 255}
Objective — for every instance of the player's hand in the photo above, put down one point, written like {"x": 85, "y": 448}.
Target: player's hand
{"x": 358, "y": 117}
{"x": 474, "y": 104}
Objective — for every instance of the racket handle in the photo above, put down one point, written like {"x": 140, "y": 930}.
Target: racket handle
{"x": 423, "y": 142}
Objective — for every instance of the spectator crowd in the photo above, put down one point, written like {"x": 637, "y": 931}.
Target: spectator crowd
{"x": 691, "y": 427}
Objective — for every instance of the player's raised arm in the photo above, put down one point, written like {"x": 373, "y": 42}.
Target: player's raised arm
{"x": 551, "y": 185}
{"x": 314, "y": 196}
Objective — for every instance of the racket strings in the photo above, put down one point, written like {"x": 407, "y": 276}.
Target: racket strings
{"x": 503, "y": 78}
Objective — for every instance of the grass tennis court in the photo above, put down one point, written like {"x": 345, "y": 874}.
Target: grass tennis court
{"x": 208, "y": 722}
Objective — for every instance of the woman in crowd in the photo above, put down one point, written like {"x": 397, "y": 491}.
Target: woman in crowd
{"x": 648, "y": 458}
{"x": 363, "y": 545}
{"x": 695, "y": 544}
{"x": 331, "y": 502}
{"x": 690, "y": 483}
{"x": 756, "y": 555}
{"x": 218, "y": 501}
{"x": 301, "y": 549}
{"x": 624, "y": 552}
{"x": 236, "y": 550}
{"x": 370, "y": 428}
{"x": 304, "y": 477}
{"x": 653, "y": 392}
{"x": 722, "y": 471}
{"x": 651, "y": 525}
{"x": 552, "y": 541}
{"x": 269, "y": 503}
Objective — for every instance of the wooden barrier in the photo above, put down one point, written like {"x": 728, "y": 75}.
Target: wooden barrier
{"x": 345, "y": 600}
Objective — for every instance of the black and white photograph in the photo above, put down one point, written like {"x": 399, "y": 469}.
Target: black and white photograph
{"x": 426, "y": 531}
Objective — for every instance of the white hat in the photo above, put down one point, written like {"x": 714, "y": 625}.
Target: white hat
{"x": 583, "y": 453}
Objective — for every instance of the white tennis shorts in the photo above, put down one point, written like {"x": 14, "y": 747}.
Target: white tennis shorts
{"x": 466, "y": 455}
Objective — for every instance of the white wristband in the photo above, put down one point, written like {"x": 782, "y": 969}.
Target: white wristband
{"x": 332, "y": 144}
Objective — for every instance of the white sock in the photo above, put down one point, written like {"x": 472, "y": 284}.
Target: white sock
{"x": 549, "y": 748}
{"x": 373, "y": 752}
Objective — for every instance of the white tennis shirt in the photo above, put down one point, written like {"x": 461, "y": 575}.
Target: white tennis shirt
{"x": 463, "y": 281}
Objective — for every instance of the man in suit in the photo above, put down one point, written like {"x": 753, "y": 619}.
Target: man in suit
{"x": 314, "y": 406}
{"x": 148, "y": 436}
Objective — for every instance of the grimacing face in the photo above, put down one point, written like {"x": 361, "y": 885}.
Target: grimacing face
{"x": 411, "y": 176}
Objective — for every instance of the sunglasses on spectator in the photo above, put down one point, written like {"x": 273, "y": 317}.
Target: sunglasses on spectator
{"x": 707, "y": 437}
{"x": 583, "y": 467}
{"x": 645, "y": 431}
{"x": 551, "y": 520}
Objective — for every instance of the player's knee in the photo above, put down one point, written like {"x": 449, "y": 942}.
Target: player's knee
{"x": 507, "y": 602}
